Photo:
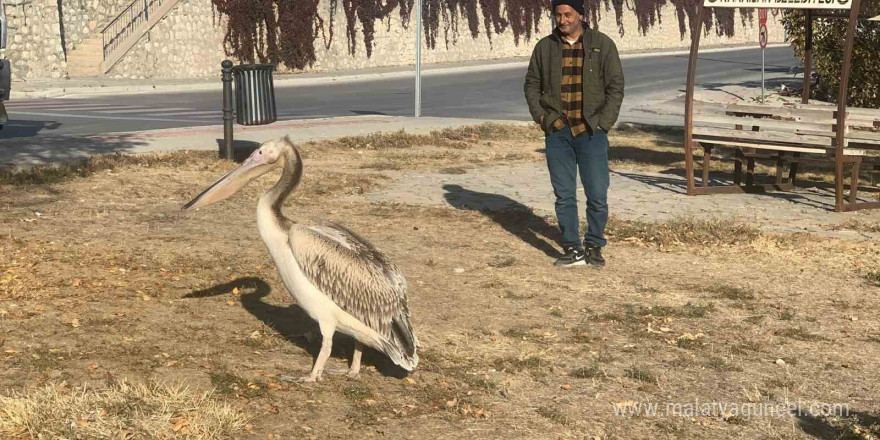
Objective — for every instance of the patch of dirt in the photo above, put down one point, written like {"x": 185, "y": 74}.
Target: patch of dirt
{"x": 104, "y": 278}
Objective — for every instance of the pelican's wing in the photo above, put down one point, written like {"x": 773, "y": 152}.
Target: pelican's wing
{"x": 358, "y": 278}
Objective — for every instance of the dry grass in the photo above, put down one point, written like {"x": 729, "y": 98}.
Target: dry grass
{"x": 60, "y": 172}
{"x": 113, "y": 280}
{"x": 455, "y": 138}
{"x": 859, "y": 225}
{"x": 687, "y": 231}
{"x": 119, "y": 410}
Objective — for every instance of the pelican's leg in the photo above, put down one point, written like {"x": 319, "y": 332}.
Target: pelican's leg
{"x": 355, "y": 371}
{"x": 327, "y": 331}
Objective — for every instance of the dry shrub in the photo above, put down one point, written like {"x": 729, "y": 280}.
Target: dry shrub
{"x": 683, "y": 230}
{"x": 488, "y": 132}
{"x": 448, "y": 137}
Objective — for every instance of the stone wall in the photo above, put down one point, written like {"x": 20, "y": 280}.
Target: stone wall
{"x": 188, "y": 42}
{"x": 41, "y": 34}
{"x": 84, "y": 18}
{"x": 33, "y": 43}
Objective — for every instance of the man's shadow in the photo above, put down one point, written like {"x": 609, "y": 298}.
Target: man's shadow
{"x": 513, "y": 216}
{"x": 819, "y": 427}
{"x": 294, "y": 324}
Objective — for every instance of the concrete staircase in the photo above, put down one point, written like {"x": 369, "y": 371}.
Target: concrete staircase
{"x": 92, "y": 58}
{"x": 85, "y": 59}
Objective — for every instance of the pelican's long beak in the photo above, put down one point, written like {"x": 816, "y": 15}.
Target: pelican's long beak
{"x": 253, "y": 167}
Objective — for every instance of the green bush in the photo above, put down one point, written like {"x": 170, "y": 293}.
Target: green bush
{"x": 828, "y": 39}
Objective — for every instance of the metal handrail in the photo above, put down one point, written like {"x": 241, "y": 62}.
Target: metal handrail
{"x": 127, "y": 23}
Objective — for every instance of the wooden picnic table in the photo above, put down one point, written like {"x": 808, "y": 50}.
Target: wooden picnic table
{"x": 792, "y": 134}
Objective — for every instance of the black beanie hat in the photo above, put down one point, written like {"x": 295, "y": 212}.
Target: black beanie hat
{"x": 577, "y": 5}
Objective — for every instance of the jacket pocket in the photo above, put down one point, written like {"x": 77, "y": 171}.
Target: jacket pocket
{"x": 549, "y": 118}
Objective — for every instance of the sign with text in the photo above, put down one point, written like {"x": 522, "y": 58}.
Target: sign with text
{"x": 780, "y": 4}
{"x": 762, "y": 29}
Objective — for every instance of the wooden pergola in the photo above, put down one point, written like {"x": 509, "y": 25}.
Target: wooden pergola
{"x": 812, "y": 9}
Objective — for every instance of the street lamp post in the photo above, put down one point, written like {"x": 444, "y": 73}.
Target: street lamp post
{"x": 418, "y": 103}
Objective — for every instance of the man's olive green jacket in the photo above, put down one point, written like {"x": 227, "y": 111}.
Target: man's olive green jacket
{"x": 602, "y": 79}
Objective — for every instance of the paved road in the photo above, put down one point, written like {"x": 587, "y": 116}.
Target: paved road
{"x": 494, "y": 94}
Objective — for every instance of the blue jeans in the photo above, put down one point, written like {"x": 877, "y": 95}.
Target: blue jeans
{"x": 565, "y": 155}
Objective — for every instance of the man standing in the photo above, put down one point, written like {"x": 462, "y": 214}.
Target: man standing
{"x": 574, "y": 88}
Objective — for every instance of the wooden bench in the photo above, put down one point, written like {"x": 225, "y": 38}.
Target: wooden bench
{"x": 806, "y": 133}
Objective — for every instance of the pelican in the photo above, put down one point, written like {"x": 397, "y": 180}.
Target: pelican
{"x": 337, "y": 277}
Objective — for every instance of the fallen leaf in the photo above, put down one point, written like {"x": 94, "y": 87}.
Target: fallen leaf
{"x": 178, "y": 424}
{"x": 230, "y": 302}
{"x": 566, "y": 387}
{"x": 93, "y": 366}
{"x": 625, "y": 404}
{"x": 82, "y": 423}
{"x": 410, "y": 381}
{"x": 453, "y": 402}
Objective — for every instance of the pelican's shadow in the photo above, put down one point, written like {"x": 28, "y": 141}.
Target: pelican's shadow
{"x": 241, "y": 149}
{"x": 515, "y": 217}
{"x": 293, "y": 323}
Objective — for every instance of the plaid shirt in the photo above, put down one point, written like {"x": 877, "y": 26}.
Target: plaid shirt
{"x": 572, "y": 88}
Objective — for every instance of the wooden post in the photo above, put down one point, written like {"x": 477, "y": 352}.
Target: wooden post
{"x": 707, "y": 157}
{"x": 808, "y": 57}
{"x": 854, "y": 180}
{"x": 779, "y": 163}
{"x": 738, "y": 167}
{"x": 697, "y": 30}
{"x": 750, "y": 172}
{"x": 841, "y": 104}
{"x": 792, "y": 170}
